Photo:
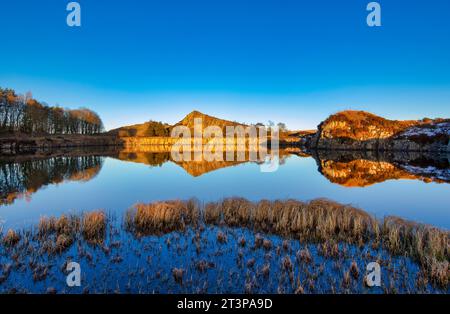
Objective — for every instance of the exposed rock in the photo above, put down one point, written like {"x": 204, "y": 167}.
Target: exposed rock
{"x": 359, "y": 130}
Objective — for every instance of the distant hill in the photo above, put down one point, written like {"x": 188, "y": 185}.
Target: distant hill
{"x": 207, "y": 121}
{"x": 147, "y": 129}
{"x": 153, "y": 128}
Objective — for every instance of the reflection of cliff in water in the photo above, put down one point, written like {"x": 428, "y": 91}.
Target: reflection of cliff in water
{"x": 24, "y": 175}
{"x": 157, "y": 156}
{"x": 360, "y": 169}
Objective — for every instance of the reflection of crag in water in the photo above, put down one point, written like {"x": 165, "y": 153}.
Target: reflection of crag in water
{"x": 158, "y": 155}
{"x": 359, "y": 168}
{"x": 23, "y": 176}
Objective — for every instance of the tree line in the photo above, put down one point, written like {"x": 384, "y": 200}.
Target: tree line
{"x": 22, "y": 113}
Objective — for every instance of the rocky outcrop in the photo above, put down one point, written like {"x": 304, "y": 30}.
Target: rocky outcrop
{"x": 358, "y": 130}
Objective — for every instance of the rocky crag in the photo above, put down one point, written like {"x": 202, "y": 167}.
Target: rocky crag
{"x": 359, "y": 130}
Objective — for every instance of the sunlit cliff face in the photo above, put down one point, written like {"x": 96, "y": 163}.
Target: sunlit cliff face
{"x": 361, "y": 126}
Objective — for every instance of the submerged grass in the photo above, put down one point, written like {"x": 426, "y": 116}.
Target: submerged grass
{"x": 161, "y": 217}
{"x": 319, "y": 221}
{"x": 11, "y": 238}
{"x": 58, "y": 234}
{"x": 325, "y": 226}
{"x": 94, "y": 227}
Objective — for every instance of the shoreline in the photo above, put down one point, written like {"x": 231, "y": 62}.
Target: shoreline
{"x": 21, "y": 144}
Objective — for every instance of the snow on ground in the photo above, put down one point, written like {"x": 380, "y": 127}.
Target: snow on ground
{"x": 431, "y": 130}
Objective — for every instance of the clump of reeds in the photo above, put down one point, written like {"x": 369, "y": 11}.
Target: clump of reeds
{"x": 354, "y": 270}
{"x": 93, "y": 226}
{"x": 316, "y": 220}
{"x": 428, "y": 245}
{"x": 287, "y": 263}
{"x": 221, "y": 237}
{"x": 251, "y": 262}
{"x": 160, "y": 217}
{"x": 259, "y": 241}
{"x": 321, "y": 221}
{"x": 416, "y": 240}
{"x": 58, "y": 234}
{"x": 267, "y": 244}
{"x": 346, "y": 280}
{"x": 63, "y": 241}
{"x": 177, "y": 274}
{"x": 304, "y": 256}
{"x": 439, "y": 272}
{"x": 202, "y": 266}
{"x": 68, "y": 225}
{"x": 265, "y": 271}
{"x": 11, "y": 238}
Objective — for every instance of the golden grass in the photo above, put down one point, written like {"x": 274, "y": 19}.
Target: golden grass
{"x": 426, "y": 244}
{"x": 58, "y": 234}
{"x": 161, "y": 217}
{"x": 317, "y": 220}
{"x": 68, "y": 225}
{"x": 11, "y": 238}
{"x": 94, "y": 226}
{"x": 320, "y": 220}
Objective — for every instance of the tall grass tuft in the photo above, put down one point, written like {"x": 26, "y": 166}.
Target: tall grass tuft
{"x": 161, "y": 217}
{"x": 11, "y": 238}
{"x": 94, "y": 227}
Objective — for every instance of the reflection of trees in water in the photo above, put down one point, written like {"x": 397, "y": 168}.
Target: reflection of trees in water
{"x": 25, "y": 178}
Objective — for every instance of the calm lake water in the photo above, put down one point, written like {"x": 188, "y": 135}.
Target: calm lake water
{"x": 50, "y": 186}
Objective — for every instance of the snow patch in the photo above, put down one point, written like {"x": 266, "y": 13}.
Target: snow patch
{"x": 430, "y": 131}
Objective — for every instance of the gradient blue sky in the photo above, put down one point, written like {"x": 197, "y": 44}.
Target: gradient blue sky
{"x": 294, "y": 61}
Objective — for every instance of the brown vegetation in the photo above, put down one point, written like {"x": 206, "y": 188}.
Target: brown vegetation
{"x": 11, "y": 238}
{"x": 147, "y": 129}
{"x": 58, "y": 234}
{"x": 94, "y": 226}
{"x": 161, "y": 217}
{"x": 22, "y": 113}
{"x": 317, "y": 221}
{"x": 361, "y": 125}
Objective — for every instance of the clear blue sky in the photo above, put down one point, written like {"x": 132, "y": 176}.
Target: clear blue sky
{"x": 294, "y": 61}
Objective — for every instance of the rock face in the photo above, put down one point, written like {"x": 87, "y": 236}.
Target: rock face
{"x": 359, "y": 130}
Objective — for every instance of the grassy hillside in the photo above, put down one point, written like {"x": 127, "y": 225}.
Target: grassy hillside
{"x": 153, "y": 128}
{"x": 147, "y": 129}
{"x": 361, "y": 125}
{"x": 207, "y": 121}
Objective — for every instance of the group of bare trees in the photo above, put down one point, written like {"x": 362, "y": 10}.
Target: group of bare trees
{"x": 22, "y": 113}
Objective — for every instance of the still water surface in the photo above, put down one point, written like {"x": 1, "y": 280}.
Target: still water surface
{"x": 53, "y": 186}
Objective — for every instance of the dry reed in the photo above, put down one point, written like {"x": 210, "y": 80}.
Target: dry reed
{"x": 321, "y": 221}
